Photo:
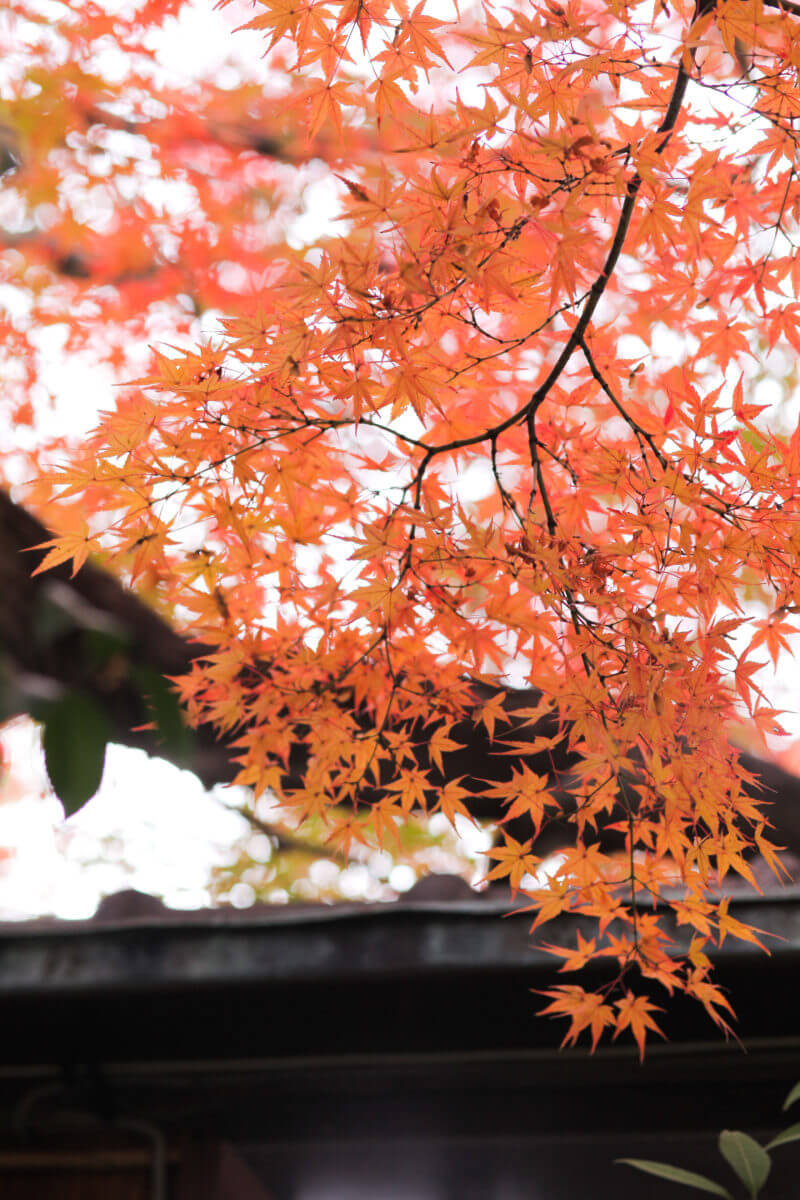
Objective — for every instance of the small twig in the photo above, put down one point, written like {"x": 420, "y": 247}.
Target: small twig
{"x": 787, "y": 6}
{"x": 285, "y": 842}
{"x": 506, "y": 499}
{"x": 642, "y": 436}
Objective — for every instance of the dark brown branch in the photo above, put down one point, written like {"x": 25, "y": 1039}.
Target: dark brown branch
{"x": 594, "y": 297}
{"x": 235, "y": 136}
{"x": 538, "y": 476}
{"x": 612, "y": 258}
{"x": 286, "y": 843}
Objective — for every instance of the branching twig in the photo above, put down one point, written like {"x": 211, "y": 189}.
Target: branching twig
{"x": 642, "y": 436}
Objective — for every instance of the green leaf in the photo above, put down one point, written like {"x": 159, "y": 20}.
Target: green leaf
{"x": 792, "y": 1134}
{"x": 165, "y": 711}
{"x": 793, "y": 1096}
{"x": 752, "y": 438}
{"x": 75, "y": 735}
{"x": 100, "y": 647}
{"x": 677, "y": 1175}
{"x": 749, "y": 1160}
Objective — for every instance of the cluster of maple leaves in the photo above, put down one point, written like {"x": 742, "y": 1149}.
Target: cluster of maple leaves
{"x": 502, "y": 426}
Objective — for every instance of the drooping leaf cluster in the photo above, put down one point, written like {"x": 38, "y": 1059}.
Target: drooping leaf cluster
{"x": 502, "y": 426}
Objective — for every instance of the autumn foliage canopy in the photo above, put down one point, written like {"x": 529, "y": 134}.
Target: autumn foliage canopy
{"x": 497, "y": 421}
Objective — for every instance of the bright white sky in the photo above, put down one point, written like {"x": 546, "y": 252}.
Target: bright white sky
{"x": 151, "y": 826}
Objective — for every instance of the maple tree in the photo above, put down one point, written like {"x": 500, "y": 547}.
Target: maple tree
{"x": 500, "y": 427}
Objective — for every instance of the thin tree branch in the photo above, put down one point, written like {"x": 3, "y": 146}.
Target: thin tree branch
{"x": 285, "y": 842}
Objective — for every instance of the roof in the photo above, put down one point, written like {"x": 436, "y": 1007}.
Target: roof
{"x": 221, "y": 982}
{"x": 381, "y": 1050}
